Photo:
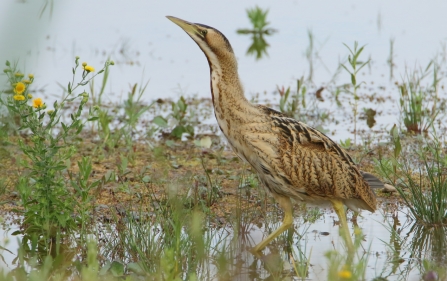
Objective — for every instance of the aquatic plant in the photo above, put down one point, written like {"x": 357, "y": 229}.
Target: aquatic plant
{"x": 355, "y": 66}
{"x": 417, "y": 113}
{"x": 258, "y": 18}
{"x": 423, "y": 183}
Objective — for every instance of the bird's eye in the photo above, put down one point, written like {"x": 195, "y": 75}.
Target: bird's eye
{"x": 204, "y": 31}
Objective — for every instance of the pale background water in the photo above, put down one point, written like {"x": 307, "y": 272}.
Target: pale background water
{"x": 147, "y": 46}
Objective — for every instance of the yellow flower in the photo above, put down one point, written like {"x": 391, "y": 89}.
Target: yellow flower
{"x": 37, "y": 103}
{"x": 19, "y": 88}
{"x": 18, "y": 97}
{"x": 30, "y": 76}
{"x": 89, "y": 68}
{"x": 345, "y": 274}
{"x": 30, "y": 96}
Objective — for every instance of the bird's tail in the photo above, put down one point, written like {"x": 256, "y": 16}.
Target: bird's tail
{"x": 372, "y": 180}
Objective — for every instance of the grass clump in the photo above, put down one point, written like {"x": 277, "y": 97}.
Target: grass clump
{"x": 417, "y": 113}
{"x": 420, "y": 179}
{"x": 427, "y": 195}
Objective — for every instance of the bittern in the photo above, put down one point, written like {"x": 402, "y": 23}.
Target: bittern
{"x": 292, "y": 159}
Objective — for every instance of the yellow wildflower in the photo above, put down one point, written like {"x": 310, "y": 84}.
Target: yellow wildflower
{"x": 30, "y": 76}
{"x": 37, "y": 103}
{"x": 345, "y": 274}
{"x": 19, "y": 88}
{"x": 89, "y": 68}
{"x": 30, "y": 96}
{"x": 18, "y": 97}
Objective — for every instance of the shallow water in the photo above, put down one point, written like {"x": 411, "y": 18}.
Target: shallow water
{"x": 388, "y": 253}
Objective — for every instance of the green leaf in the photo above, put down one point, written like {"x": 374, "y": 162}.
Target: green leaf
{"x": 178, "y": 131}
{"x": 136, "y": 268}
{"x": 117, "y": 269}
{"x": 160, "y": 121}
{"x": 105, "y": 268}
{"x": 64, "y": 127}
{"x": 353, "y": 81}
{"x": 170, "y": 143}
{"x": 60, "y": 167}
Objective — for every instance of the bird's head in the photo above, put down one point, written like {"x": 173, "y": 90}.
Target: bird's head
{"x": 209, "y": 39}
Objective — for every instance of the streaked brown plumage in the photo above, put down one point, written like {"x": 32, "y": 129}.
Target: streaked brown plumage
{"x": 293, "y": 160}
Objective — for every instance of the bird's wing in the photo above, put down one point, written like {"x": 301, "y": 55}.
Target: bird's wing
{"x": 312, "y": 160}
{"x": 307, "y": 136}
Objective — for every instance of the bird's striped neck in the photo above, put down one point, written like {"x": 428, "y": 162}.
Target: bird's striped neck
{"x": 226, "y": 89}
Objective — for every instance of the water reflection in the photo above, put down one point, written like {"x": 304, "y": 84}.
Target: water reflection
{"x": 259, "y": 45}
{"x": 429, "y": 243}
{"x": 310, "y": 251}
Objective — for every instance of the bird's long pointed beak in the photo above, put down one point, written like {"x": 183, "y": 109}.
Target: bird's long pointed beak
{"x": 188, "y": 27}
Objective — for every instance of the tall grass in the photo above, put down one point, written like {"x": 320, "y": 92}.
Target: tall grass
{"x": 419, "y": 108}
{"x": 422, "y": 182}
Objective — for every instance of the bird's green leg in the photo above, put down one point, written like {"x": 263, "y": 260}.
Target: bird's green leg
{"x": 340, "y": 210}
{"x": 287, "y": 206}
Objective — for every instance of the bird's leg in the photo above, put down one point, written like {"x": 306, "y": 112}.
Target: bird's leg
{"x": 340, "y": 210}
{"x": 287, "y": 206}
